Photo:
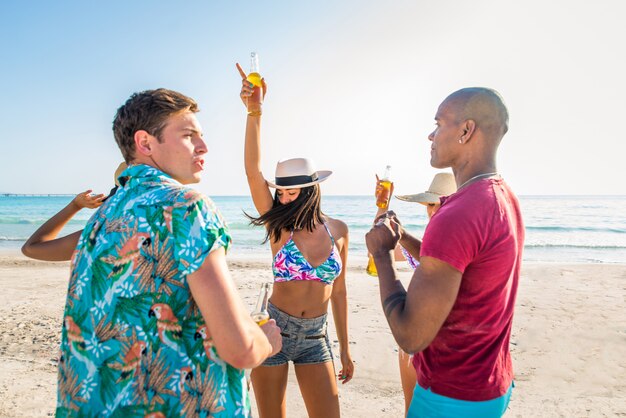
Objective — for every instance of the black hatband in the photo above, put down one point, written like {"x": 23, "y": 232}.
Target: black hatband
{"x": 295, "y": 180}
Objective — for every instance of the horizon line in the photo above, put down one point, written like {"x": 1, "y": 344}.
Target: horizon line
{"x": 9, "y": 194}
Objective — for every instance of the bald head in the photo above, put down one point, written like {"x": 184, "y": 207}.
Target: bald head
{"x": 482, "y": 105}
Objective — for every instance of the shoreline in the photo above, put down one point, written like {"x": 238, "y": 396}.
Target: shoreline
{"x": 567, "y": 341}
{"x": 356, "y": 259}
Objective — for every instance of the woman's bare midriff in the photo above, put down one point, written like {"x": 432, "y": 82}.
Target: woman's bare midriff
{"x": 302, "y": 299}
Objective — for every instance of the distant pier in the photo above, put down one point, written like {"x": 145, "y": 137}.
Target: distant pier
{"x": 34, "y": 194}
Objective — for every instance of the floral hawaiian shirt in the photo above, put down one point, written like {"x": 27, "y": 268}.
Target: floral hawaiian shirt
{"x": 134, "y": 343}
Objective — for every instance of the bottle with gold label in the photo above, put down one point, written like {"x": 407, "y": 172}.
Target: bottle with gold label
{"x": 254, "y": 76}
{"x": 260, "y": 315}
{"x": 383, "y": 194}
{"x": 255, "y": 101}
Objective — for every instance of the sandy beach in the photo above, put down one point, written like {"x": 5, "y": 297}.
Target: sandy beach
{"x": 568, "y": 343}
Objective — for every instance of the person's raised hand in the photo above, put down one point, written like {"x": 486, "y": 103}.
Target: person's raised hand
{"x": 380, "y": 189}
{"x": 251, "y": 96}
{"x": 88, "y": 200}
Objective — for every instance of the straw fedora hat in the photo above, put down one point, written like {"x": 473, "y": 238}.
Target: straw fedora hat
{"x": 443, "y": 184}
{"x": 120, "y": 168}
{"x": 297, "y": 172}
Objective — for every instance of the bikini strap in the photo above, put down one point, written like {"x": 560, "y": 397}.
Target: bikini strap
{"x": 332, "y": 239}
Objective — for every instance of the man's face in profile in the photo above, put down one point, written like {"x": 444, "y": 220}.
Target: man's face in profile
{"x": 444, "y": 139}
{"x": 181, "y": 148}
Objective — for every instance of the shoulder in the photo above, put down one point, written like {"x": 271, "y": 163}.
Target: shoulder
{"x": 466, "y": 216}
{"x": 191, "y": 199}
{"x": 187, "y": 195}
{"x": 476, "y": 201}
{"x": 189, "y": 206}
{"x": 338, "y": 228}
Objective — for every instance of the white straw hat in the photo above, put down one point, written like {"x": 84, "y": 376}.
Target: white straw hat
{"x": 297, "y": 172}
{"x": 443, "y": 184}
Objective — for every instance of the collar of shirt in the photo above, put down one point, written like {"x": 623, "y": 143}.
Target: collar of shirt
{"x": 138, "y": 173}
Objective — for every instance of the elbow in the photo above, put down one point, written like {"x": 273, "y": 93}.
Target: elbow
{"x": 238, "y": 358}
{"x": 33, "y": 251}
{"x": 412, "y": 347}
{"x": 246, "y": 357}
{"x": 414, "y": 343}
{"x": 253, "y": 175}
{"x": 245, "y": 360}
{"x": 339, "y": 295}
{"x": 238, "y": 362}
{"x": 26, "y": 250}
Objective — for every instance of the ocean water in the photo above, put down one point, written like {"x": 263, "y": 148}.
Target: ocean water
{"x": 562, "y": 229}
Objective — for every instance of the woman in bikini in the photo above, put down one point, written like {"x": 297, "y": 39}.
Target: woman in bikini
{"x": 309, "y": 264}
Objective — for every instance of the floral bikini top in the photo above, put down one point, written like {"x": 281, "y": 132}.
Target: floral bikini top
{"x": 289, "y": 264}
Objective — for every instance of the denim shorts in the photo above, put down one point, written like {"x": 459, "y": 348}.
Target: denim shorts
{"x": 426, "y": 404}
{"x": 305, "y": 340}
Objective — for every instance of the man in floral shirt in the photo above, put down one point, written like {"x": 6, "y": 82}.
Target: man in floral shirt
{"x": 153, "y": 324}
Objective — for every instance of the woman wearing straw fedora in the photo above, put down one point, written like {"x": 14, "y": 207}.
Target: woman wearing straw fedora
{"x": 309, "y": 265}
{"x": 408, "y": 248}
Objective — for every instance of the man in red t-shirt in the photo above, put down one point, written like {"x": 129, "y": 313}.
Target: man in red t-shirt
{"x": 457, "y": 313}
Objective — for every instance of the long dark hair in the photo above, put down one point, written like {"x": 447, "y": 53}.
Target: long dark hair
{"x": 304, "y": 212}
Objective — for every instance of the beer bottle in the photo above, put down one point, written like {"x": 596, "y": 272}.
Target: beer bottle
{"x": 371, "y": 267}
{"x": 260, "y": 315}
{"x": 382, "y": 199}
{"x": 254, "y": 76}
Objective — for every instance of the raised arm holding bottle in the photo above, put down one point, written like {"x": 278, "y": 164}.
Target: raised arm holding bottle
{"x": 309, "y": 252}
{"x": 408, "y": 249}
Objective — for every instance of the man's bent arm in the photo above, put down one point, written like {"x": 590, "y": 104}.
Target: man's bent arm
{"x": 415, "y": 316}
{"x": 238, "y": 339}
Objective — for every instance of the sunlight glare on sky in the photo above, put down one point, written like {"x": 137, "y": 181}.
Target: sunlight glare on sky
{"x": 352, "y": 84}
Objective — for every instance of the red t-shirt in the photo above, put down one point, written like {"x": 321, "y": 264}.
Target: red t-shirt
{"x": 478, "y": 231}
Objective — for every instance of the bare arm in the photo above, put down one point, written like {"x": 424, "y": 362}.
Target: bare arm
{"x": 251, "y": 97}
{"x": 416, "y": 316}
{"x": 44, "y": 244}
{"x": 339, "y": 303}
{"x": 237, "y": 338}
{"x": 261, "y": 195}
{"x": 411, "y": 244}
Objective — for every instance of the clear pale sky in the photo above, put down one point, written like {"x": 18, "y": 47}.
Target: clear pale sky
{"x": 352, "y": 84}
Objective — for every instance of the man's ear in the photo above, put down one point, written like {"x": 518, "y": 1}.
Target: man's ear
{"x": 469, "y": 127}
{"x": 143, "y": 142}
